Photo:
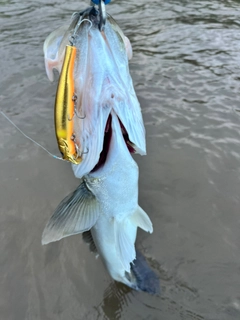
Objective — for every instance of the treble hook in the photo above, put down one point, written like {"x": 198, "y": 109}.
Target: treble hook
{"x": 78, "y": 153}
{"x": 72, "y": 37}
{"x": 74, "y": 98}
{"x": 79, "y": 117}
{"x": 83, "y": 152}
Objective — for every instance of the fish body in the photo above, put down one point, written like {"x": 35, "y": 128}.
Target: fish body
{"x": 108, "y": 124}
{"x": 106, "y": 203}
{"x": 102, "y": 83}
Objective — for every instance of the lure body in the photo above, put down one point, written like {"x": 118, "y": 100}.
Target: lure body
{"x": 64, "y": 109}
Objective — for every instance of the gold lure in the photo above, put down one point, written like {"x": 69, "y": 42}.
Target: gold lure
{"x": 64, "y": 108}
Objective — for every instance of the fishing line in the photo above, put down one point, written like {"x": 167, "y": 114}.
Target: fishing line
{"x": 39, "y": 145}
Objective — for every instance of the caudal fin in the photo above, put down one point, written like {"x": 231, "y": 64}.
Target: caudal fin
{"x": 145, "y": 277}
{"x": 78, "y": 212}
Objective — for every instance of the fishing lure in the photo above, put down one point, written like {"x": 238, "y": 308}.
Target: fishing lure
{"x": 65, "y": 96}
{"x": 64, "y": 108}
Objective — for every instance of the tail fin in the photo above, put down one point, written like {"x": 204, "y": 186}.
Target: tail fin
{"x": 146, "y": 279}
{"x": 78, "y": 212}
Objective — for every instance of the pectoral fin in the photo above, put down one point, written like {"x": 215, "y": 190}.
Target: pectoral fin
{"x": 54, "y": 49}
{"x": 77, "y": 213}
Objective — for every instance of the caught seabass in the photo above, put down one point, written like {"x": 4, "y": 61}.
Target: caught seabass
{"x": 102, "y": 83}
{"x": 106, "y": 127}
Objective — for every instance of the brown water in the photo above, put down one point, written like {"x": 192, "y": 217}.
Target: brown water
{"x": 186, "y": 73}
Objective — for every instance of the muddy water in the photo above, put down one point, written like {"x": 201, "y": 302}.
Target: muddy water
{"x": 186, "y": 73}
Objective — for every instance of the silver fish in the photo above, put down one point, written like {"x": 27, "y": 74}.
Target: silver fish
{"x": 108, "y": 123}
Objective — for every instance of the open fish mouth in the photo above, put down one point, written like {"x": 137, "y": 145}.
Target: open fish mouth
{"x": 107, "y": 140}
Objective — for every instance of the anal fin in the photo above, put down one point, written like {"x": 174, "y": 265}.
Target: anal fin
{"x": 126, "y": 235}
